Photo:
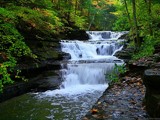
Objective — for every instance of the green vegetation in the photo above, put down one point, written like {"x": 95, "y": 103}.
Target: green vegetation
{"x": 12, "y": 46}
{"x": 141, "y": 18}
{"x": 115, "y": 74}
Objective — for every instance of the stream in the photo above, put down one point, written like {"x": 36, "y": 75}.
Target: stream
{"x": 83, "y": 83}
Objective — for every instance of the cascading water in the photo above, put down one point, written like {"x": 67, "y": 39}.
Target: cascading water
{"x": 83, "y": 78}
{"x": 84, "y": 74}
{"x": 105, "y": 35}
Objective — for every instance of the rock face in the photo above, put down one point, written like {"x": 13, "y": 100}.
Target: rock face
{"x": 48, "y": 58}
{"x": 45, "y": 81}
{"x": 124, "y": 36}
{"x": 13, "y": 90}
{"x": 49, "y": 80}
{"x": 125, "y": 54}
{"x": 77, "y": 35}
{"x": 152, "y": 97}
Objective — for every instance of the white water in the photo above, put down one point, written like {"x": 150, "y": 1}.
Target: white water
{"x": 84, "y": 75}
{"x": 105, "y": 35}
{"x": 80, "y": 50}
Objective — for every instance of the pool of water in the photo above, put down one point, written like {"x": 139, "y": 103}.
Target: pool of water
{"x": 50, "y": 105}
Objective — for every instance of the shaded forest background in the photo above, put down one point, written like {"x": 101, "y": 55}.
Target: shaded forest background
{"x": 24, "y": 22}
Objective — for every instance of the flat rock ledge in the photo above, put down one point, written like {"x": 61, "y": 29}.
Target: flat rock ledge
{"x": 121, "y": 101}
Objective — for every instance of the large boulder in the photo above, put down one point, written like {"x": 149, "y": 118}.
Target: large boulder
{"x": 77, "y": 35}
{"x": 125, "y": 54}
{"x": 152, "y": 78}
{"x": 152, "y": 97}
{"x": 48, "y": 81}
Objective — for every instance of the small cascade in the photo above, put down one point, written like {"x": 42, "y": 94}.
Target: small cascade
{"x": 89, "y": 50}
{"x": 105, "y": 35}
{"x": 82, "y": 74}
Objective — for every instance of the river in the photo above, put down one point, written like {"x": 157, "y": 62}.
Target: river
{"x": 83, "y": 83}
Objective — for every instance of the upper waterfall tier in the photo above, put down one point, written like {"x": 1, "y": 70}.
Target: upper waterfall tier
{"x": 104, "y": 35}
{"x": 91, "y": 50}
{"x": 102, "y": 45}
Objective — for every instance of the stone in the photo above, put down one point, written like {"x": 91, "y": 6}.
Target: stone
{"x": 64, "y": 56}
{"x": 152, "y": 78}
{"x": 77, "y": 35}
{"x": 48, "y": 83}
{"x": 152, "y": 102}
{"x": 124, "y": 36}
{"x": 106, "y": 35}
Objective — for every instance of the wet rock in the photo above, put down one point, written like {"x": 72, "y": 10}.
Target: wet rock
{"x": 121, "y": 101}
{"x": 152, "y": 78}
{"x": 124, "y": 36}
{"x": 33, "y": 70}
{"x": 13, "y": 90}
{"x": 124, "y": 54}
{"x": 152, "y": 102}
{"x": 152, "y": 97}
{"x": 48, "y": 83}
{"x": 77, "y": 35}
{"x": 106, "y": 35}
{"x": 64, "y": 56}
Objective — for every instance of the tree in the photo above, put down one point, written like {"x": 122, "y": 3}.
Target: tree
{"x": 135, "y": 27}
{"x": 127, "y": 11}
{"x": 148, "y": 4}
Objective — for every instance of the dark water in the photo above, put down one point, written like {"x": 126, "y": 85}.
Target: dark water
{"x": 39, "y": 106}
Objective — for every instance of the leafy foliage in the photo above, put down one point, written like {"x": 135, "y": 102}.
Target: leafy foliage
{"x": 146, "y": 49}
{"x": 12, "y": 46}
{"x": 147, "y": 14}
{"x": 117, "y": 71}
{"x": 121, "y": 24}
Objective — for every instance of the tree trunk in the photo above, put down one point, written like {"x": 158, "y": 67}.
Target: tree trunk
{"x": 150, "y": 16}
{"x": 137, "y": 40}
{"x": 76, "y": 7}
{"x": 128, "y": 15}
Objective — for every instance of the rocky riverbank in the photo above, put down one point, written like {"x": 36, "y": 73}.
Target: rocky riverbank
{"x": 121, "y": 101}
{"x": 135, "y": 96}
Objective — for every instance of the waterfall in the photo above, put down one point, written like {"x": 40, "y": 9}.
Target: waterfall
{"x": 105, "y": 35}
{"x": 84, "y": 74}
{"x": 91, "y": 50}
{"x": 90, "y": 60}
{"x": 83, "y": 81}
{"x": 91, "y": 74}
